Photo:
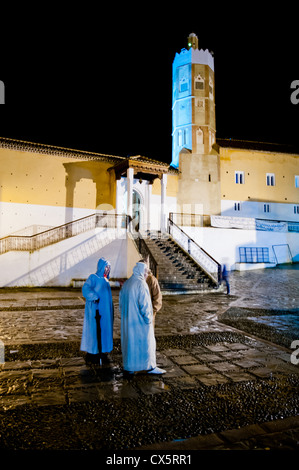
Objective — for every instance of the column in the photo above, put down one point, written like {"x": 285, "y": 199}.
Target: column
{"x": 163, "y": 202}
{"x": 118, "y": 206}
{"x": 148, "y": 207}
{"x": 130, "y": 177}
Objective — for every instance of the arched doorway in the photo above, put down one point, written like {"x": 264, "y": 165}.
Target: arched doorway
{"x": 136, "y": 210}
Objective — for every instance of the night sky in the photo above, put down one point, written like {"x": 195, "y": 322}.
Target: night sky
{"x": 101, "y": 80}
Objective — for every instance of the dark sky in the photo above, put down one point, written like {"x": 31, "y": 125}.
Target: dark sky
{"x": 101, "y": 80}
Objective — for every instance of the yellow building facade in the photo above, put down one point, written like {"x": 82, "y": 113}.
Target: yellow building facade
{"x": 46, "y": 186}
{"x": 49, "y": 186}
{"x": 259, "y": 180}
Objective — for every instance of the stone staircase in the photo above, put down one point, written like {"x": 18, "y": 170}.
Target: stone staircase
{"x": 176, "y": 269}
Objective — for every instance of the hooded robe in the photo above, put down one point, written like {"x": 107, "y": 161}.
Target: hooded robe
{"x": 97, "y": 288}
{"x": 137, "y": 332}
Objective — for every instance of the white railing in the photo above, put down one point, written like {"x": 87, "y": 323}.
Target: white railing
{"x": 56, "y": 234}
{"x": 208, "y": 264}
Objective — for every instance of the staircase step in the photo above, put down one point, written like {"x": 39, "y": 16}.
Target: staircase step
{"x": 177, "y": 271}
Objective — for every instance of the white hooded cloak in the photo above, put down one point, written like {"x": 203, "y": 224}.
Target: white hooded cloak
{"x": 137, "y": 332}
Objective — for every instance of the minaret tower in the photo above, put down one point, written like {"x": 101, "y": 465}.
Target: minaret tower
{"x": 194, "y": 127}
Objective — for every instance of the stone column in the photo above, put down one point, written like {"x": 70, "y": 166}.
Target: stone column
{"x": 118, "y": 208}
{"x": 163, "y": 200}
{"x": 149, "y": 197}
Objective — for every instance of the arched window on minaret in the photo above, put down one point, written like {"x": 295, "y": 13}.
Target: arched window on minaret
{"x": 199, "y": 141}
{"x": 211, "y": 139}
{"x": 199, "y": 103}
{"x": 198, "y": 82}
{"x": 185, "y": 137}
{"x": 211, "y": 89}
{"x": 183, "y": 85}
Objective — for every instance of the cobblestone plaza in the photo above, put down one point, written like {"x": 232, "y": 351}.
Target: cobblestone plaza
{"x": 212, "y": 366}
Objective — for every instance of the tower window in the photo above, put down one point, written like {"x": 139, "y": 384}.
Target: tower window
{"x": 199, "y": 83}
{"x": 266, "y": 208}
{"x": 183, "y": 85}
{"x": 185, "y": 137}
{"x": 199, "y": 103}
{"x": 237, "y": 206}
{"x": 239, "y": 177}
{"x": 270, "y": 178}
{"x": 211, "y": 88}
{"x": 297, "y": 181}
{"x": 296, "y": 209}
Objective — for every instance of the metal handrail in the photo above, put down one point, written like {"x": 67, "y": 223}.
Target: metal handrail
{"x": 57, "y": 234}
{"x": 207, "y": 263}
{"x": 147, "y": 254}
{"x": 190, "y": 220}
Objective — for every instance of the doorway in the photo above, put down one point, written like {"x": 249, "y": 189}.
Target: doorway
{"x": 136, "y": 210}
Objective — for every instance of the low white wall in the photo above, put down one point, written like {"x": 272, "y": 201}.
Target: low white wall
{"x": 223, "y": 244}
{"x": 15, "y": 217}
{"x": 74, "y": 258}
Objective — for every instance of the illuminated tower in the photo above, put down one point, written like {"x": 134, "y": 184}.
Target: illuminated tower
{"x": 194, "y": 128}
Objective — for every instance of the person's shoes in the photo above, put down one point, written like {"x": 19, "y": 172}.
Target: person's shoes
{"x": 157, "y": 371}
{"x": 105, "y": 359}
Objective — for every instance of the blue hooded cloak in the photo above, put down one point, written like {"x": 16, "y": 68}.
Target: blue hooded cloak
{"x": 138, "y": 341}
{"x": 97, "y": 288}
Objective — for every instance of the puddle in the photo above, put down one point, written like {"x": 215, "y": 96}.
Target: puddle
{"x": 151, "y": 388}
{"x": 280, "y": 322}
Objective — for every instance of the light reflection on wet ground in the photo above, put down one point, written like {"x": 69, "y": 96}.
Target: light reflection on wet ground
{"x": 201, "y": 354}
{"x": 23, "y": 316}
{"x": 280, "y": 322}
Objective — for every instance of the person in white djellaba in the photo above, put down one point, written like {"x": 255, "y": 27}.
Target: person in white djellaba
{"x": 138, "y": 341}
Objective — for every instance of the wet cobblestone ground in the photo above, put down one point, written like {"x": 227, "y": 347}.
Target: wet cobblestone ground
{"x": 227, "y": 360}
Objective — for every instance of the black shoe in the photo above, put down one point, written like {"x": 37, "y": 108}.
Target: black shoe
{"x": 105, "y": 359}
{"x": 92, "y": 359}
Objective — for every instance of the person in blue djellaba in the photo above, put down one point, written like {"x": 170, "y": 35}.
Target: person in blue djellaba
{"x": 97, "y": 334}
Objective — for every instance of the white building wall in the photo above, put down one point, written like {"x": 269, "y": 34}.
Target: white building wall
{"x": 277, "y": 211}
{"x": 223, "y": 244}
{"x": 16, "y": 217}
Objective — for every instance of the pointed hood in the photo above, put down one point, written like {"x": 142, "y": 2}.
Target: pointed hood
{"x": 139, "y": 270}
{"x": 102, "y": 263}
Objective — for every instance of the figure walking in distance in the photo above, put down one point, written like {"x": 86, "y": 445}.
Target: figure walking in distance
{"x": 225, "y": 278}
{"x": 97, "y": 334}
{"x": 138, "y": 341}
